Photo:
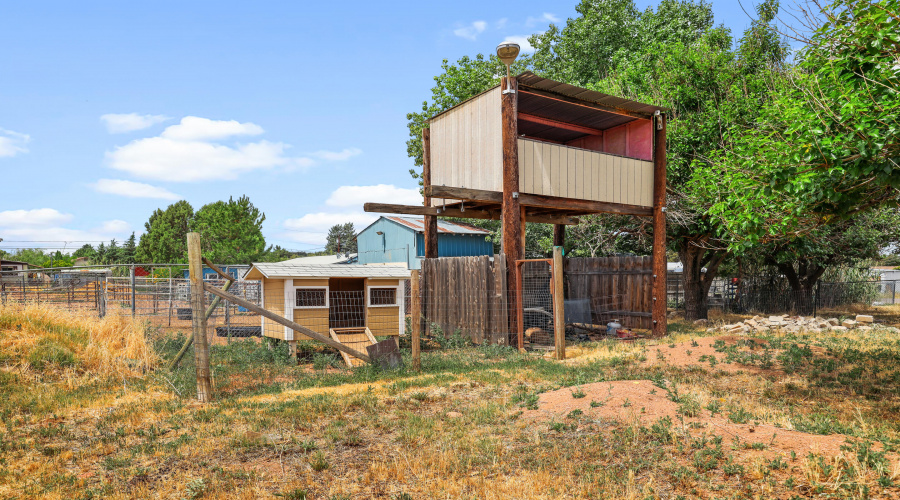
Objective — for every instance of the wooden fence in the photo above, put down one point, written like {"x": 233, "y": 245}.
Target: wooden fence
{"x": 468, "y": 295}
{"x": 617, "y": 288}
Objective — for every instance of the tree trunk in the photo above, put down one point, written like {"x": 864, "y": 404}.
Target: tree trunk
{"x": 803, "y": 281}
{"x": 694, "y": 258}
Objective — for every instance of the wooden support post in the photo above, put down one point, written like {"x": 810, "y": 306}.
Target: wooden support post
{"x": 559, "y": 235}
{"x": 415, "y": 320}
{"x": 559, "y": 305}
{"x": 513, "y": 231}
{"x": 190, "y": 340}
{"x": 658, "y": 307}
{"x": 431, "y": 231}
{"x": 198, "y": 318}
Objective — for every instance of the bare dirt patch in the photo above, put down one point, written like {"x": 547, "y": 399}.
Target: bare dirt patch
{"x": 644, "y": 402}
{"x": 703, "y": 353}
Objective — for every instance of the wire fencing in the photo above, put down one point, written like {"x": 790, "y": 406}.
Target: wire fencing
{"x": 774, "y": 295}
{"x": 161, "y": 296}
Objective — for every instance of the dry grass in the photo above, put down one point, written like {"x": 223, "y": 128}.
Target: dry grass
{"x": 111, "y": 424}
{"x": 38, "y": 338}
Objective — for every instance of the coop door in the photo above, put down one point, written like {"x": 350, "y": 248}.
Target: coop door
{"x": 347, "y": 303}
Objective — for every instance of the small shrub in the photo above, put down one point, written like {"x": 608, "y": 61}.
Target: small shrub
{"x": 740, "y": 416}
{"x": 318, "y": 461}
{"x": 323, "y": 361}
{"x": 578, "y": 393}
{"x": 195, "y": 489}
{"x": 688, "y": 406}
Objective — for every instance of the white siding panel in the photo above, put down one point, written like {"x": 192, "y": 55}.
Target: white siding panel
{"x": 466, "y": 145}
{"x": 554, "y": 170}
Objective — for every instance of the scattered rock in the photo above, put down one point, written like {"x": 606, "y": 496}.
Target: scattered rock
{"x": 793, "y": 324}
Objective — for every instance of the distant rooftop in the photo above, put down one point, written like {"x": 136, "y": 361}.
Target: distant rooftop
{"x": 322, "y": 259}
{"x": 288, "y": 270}
{"x": 444, "y": 226}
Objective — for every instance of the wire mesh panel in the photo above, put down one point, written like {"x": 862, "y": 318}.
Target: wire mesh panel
{"x": 536, "y": 309}
{"x": 228, "y": 320}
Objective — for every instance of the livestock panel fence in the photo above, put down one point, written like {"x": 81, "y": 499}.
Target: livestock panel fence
{"x": 161, "y": 296}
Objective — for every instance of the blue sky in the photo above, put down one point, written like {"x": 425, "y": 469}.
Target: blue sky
{"x": 113, "y": 109}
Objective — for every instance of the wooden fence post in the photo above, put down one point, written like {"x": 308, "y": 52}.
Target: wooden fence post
{"x": 198, "y": 318}
{"x": 559, "y": 307}
{"x": 415, "y": 320}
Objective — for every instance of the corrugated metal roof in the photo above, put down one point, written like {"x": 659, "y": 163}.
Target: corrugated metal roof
{"x": 444, "y": 226}
{"x": 529, "y": 79}
{"x": 288, "y": 270}
{"x": 321, "y": 259}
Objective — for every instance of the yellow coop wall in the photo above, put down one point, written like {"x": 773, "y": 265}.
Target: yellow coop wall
{"x": 273, "y": 300}
{"x": 384, "y": 320}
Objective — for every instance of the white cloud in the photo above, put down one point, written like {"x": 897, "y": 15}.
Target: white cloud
{"x": 132, "y": 189}
{"x": 313, "y": 228}
{"x": 45, "y": 227}
{"x": 194, "y": 128}
{"x": 355, "y": 196}
{"x": 115, "y": 226}
{"x": 194, "y": 150}
{"x": 522, "y": 40}
{"x": 39, "y": 217}
{"x": 348, "y": 200}
{"x": 546, "y": 17}
{"x": 13, "y": 143}
{"x": 501, "y": 23}
{"x": 471, "y": 31}
{"x": 119, "y": 123}
{"x": 342, "y": 155}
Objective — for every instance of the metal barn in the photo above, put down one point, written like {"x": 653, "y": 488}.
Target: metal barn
{"x": 393, "y": 239}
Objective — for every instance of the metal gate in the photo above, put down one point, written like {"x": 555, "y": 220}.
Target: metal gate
{"x": 535, "y": 303}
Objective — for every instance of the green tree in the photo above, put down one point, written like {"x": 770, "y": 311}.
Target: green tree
{"x": 129, "y": 250}
{"x": 165, "y": 235}
{"x": 86, "y": 250}
{"x": 277, "y": 254}
{"x": 33, "y": 256}
{"x": 826, "y": 148}
{"x": 231, "y": 232}
{"x": 341, "y": 239}
{"x": 113, "y": 253}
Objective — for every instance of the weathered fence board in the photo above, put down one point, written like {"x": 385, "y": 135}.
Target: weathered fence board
{"x": 617, "y": 287}
{"x": 467, "y": 295}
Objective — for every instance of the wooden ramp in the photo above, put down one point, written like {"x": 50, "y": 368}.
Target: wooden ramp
{"x": 355, "y": 338}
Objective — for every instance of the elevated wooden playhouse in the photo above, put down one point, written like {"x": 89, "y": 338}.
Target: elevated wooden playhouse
{"x": 537, "y": 150}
